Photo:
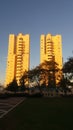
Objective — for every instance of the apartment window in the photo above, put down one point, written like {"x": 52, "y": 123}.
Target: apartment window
{"x": 20, "y": 38}
{"x": 20, "y": 46}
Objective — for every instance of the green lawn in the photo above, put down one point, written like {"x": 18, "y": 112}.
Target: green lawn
{"x": 40, "y": 114}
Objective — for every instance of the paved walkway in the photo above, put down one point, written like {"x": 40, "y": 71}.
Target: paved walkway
{"x": 8, "y": 104}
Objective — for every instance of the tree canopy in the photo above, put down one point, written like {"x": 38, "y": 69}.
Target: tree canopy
{"x": 68, "y": 68}
{"x": 12, "y": 86}
{"x": 43, "y": 74}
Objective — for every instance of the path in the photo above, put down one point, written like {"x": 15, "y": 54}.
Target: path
{"x": 8, "y": 104}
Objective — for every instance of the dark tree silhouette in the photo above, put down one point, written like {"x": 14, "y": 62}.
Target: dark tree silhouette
{"x": 68, "y": 68}
{"x": 23, "y": 81}
{"x": 49, "y": 70}
{"x": 12, "y": 86}
{"x": 44, "y": 74}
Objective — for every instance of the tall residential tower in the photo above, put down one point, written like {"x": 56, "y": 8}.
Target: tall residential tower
{"x": 18, "y": 59}
{"x": 51, "y": 49}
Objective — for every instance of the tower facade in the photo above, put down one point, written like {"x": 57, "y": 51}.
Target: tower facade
{"x": 18, "y": 59}
{"x": 51, "y": 49}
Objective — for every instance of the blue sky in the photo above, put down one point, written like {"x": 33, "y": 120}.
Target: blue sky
{"x": 35, "y": 17}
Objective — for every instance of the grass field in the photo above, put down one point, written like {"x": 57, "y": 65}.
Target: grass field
{"x": 40, "y": 114}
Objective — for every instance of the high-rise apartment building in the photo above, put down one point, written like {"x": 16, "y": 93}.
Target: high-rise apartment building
{"x": 51, "y": 49}
{"x": 18, "y": 59}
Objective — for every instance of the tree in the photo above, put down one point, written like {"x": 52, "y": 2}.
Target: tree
{"x": 34, "y": 75}
{"x": 44, "y": 74}
{"x": 67, "y": 74}
{"x": 23, "y": 81}
{"x": 12, "y": 86}
{"x": 68, "y": 68}
{"x": 49, "y": 72}
{"x": 63, "y": 84}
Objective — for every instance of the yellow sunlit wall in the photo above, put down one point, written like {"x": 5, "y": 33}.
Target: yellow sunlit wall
{"x": 51, "y": 49}
{"x": 18, "y": 59}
